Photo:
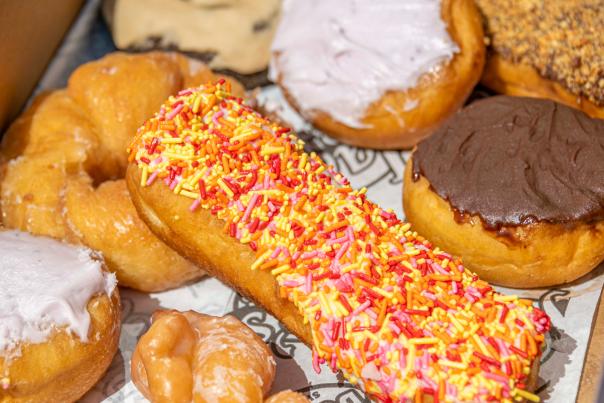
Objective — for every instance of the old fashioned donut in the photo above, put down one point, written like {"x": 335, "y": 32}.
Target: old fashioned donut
{"x": 547, "y": 49}
{"x": 399, "y": 318}
{"x": 63, "y": 163}
{"x": 189, "y": 356}
{"x": 60, "y": 319}
{"x": 380, "y": 74}
{"x": 515, "y": 186}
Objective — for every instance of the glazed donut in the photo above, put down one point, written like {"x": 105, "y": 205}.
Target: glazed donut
{"x": 399, "y": 318}
{"x": 60, "y": 319}
{"x": 380, "y": 74}
{"x": 63, "y": 160}
{"x": 515, "y": 186}
{"x": 550, "y": 49}
{"x": 55, "y": 132}
{"x": 189, "y": 356}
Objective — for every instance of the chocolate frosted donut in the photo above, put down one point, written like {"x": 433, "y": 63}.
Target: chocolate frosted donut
{"x": 515, "y": 161}
{"x": 519, "y": 186}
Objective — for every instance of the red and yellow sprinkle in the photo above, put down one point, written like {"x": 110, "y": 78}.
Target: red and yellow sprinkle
{"x": 399, "y": 318}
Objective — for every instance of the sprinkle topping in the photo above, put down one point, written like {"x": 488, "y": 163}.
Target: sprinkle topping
{"x": 398, "y": 317}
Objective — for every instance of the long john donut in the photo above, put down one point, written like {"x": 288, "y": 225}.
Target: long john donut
{"x": 236, "y": 193}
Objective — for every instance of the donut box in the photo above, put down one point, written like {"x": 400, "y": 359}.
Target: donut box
{"x": 569, "y": 359}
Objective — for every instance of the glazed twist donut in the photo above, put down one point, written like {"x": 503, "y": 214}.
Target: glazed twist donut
{"x": 63, "y": 164}
{"x": 237, "y": 194}
{"x": 188, "y": 356}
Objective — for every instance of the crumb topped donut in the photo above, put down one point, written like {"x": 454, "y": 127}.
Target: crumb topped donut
{"x": 382, "y": 74}
{"x": 515, "y": 186}
{"x": 189, "y": 356}
{"x": 547, "y": 49}
{"x": 60, "y": 319}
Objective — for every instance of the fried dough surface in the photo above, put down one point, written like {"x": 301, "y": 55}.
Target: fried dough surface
{"x": 63, "y": 368}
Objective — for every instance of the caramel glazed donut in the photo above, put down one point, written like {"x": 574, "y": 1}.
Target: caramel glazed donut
{"x": 515, "y": 186}
{"x": 60, "y": 319}
{"x": 378, "y": 73}
{"x": 191, "y": 357}
{"x": 372, "y": 298}
{"x": 547, "y": 49}
{"x": 62, "y": 164}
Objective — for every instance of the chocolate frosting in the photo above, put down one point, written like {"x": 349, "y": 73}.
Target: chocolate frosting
{"x": 513, "y": 161}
